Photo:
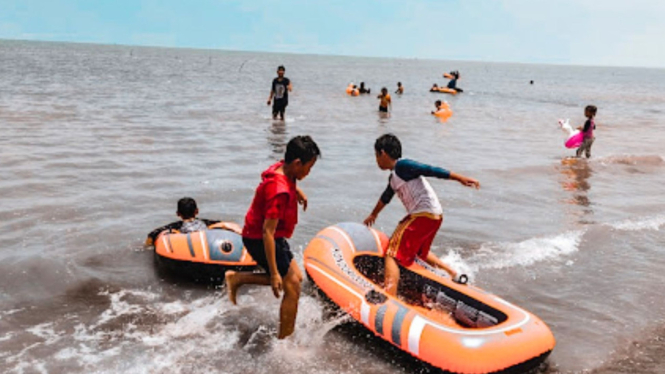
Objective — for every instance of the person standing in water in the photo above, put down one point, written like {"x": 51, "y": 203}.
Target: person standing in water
{"x": 386, "y": 101}
{"x": 587, "y": 130}
{"x": 281, "y": 86}
{"x": 400, "y": 88}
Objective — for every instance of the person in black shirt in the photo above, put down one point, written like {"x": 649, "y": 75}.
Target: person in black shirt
{"x": 280, "y": 92}
{"x": 454, "y": 76}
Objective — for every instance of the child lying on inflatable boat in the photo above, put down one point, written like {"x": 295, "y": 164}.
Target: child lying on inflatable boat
{"x": 187, "y": 211}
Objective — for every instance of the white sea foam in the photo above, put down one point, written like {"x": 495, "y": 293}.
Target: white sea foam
{"x": 525, "y": 253}
{"x": 178, "y": 332}
{"x": 643, "y": 223}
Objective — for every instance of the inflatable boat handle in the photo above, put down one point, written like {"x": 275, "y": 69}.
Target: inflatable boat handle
{"x": 462, "y": 279}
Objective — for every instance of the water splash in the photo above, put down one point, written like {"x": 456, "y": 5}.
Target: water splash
{"x": 528, "y": 252}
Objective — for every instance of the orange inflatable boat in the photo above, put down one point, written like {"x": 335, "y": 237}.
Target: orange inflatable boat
{"x": 444, "y": 90}
{"x": 456, "y": 327}
{"x": 202, "y": 255}
{"x": 352, "y": 91}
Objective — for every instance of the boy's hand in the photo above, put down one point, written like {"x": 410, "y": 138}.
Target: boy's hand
{"x": 268, "y": 102}
{"x": 148, "y": 242}
{"x": 276, "y": 284}
{"x": 469, "y": 182}
{"x": 302, "y": 199}
{"x": 369, "y": 221}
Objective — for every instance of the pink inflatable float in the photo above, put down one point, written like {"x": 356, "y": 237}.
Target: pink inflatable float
{"x": 574, "y": 137}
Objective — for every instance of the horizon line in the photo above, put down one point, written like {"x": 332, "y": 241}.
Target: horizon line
{"x": 332, "y": 55}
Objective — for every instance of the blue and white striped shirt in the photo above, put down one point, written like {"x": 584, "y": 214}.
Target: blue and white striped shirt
{"x": 408, "y": 181}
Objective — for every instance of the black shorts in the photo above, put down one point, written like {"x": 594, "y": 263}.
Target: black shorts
{"x": 283, "y": 254}
{"x": 383, "y": 109}
{"x": 278, "y": 107}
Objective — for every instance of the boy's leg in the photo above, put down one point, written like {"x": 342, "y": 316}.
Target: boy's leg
{"x": 391, "y": 276}
{"x": 436, "y": 262}
{"x": 236, "y": 279}
{"x": 402, "y": 249}
{"x": 578, "y": 153}
{"x": 289, "y": 308}
{"x": 425, "y": 253}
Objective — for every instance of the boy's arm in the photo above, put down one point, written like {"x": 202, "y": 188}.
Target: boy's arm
{"x": 302, "y": 198}
{"x": 469, "y": 182}
{"x": 290, "y": 86}
{"x": 409, "y": 169}
{"x": 383, "y": 201}
{"x": 271, "y": 93}
{"x": 269, "y": 228}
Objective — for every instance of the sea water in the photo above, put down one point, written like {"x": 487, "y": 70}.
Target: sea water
{"x": 97, "y": 144}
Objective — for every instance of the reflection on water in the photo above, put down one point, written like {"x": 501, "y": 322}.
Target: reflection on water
{"x": 576, "y": 173}
{"x": 277, "y": 138}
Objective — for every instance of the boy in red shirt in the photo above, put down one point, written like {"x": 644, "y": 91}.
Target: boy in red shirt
{"x": 270, "y": 220}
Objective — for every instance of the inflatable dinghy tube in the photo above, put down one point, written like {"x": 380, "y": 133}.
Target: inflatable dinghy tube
{"x": 456, "y": 327}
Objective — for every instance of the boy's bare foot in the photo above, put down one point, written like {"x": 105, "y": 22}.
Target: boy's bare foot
{"x": 231, "y": 285}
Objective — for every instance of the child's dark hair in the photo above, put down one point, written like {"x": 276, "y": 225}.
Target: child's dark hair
{"x": 591, "y": 109}
{"x": 437, "y": 103}
{"x": 301, "y": 148}
{"x": 281, "y": 67}
{"x": 187, "y": 208}
{"x": 385, "y": 90}
{"x": 389, "y": 144}
{"x": 399, "y": 83}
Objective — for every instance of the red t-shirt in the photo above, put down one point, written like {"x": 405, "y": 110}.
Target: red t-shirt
{"x": 275, "y": 198}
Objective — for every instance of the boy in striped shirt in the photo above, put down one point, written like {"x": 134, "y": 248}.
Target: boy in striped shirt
{"x": 414, "y": 235}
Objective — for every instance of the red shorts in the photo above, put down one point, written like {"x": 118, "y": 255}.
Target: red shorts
{"x": 413, "y": 237}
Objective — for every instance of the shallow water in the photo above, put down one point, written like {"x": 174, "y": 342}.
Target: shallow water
{"x": 99, "y": 142}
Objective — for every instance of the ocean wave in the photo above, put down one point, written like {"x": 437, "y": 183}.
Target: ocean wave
{"x": 177, "y": 332}
{"x": 638, "y": 224}
{"x": 644, "y": 160}
{"x": 525, "y": 253}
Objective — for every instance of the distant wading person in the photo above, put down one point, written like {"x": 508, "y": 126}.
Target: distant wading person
{"x": 280, "y": 93}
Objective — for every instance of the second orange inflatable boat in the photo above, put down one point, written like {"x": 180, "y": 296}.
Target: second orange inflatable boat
{"x": 456, "y": 327}
{"x": 202, "y": 255}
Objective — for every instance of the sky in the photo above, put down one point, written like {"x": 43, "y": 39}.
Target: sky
{"x": 578, "y": 32}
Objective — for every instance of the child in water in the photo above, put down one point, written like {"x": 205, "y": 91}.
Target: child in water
{"x": 270, "y": 220}
{"x": 187, "y": 211}
{"x": 440, "y": 106}
{"x": 414, "y": 235}
{"x": 454, "y": 76}
{"x": 362, "y": 89}
{"x": 587, "y": 130}
{"x": 400, "y": 88}
{"x": 435, "y": 88}
{"x": 385, "y": 102}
